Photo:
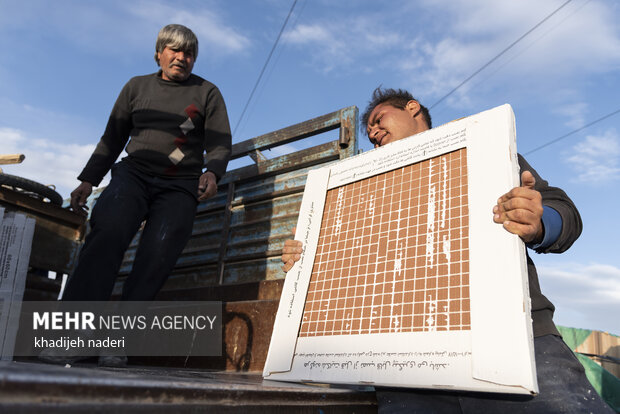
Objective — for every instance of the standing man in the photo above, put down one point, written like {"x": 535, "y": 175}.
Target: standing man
{"x": 170, "y": 118}
{"x": 548, "y": 222}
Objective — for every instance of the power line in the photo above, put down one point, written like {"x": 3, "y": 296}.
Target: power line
{"x": 264, "y": 67}
{"x": 499, "y": 55}
{"x": 575, "y": 11}
{"x": 553, "y": 141}
{"x": 276, "y": 57}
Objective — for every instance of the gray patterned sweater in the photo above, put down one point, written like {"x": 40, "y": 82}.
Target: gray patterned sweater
{"x": 171, "y": 125}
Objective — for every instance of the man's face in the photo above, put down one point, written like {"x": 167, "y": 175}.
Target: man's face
{"x": 387, "y": 123}
{"x": 176, "y": 65}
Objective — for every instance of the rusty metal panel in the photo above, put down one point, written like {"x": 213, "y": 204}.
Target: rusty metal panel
{"x": 269, "y": 268}
{"x": 307, "y": 157}
{"x": 270, "y": 187}
{"x": 217, "y": 202}
{"x": 348, "y": 132}
{"x": 266, "y": 210}
{"x": 202, "y": 247}
{"x": 182, "y": 278}
{"x": 260, "y": 236}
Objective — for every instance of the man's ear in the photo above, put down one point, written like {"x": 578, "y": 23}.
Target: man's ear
{"x": 413, "y": 108}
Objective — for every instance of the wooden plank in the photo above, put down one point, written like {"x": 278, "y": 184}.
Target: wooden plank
{"x": 604, "y": 349}
{"x": 58, "y": 231}
{"x": 11, "y": 158}
{"x": 37, "y": 207}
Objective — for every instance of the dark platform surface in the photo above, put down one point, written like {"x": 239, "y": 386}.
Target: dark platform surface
{"x": 36, "y": 387}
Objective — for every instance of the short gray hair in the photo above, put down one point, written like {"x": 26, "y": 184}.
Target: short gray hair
{"x": 176, "y": 36}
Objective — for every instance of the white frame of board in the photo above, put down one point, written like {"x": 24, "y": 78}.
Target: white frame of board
{"x": 497, "y": 353}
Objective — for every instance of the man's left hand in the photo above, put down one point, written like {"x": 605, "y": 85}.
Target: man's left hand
{"x": 207, "y": 186}
{"x": 520, "y": 210}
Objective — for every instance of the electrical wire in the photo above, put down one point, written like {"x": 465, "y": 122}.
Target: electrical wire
{"x": 518, "y": 54}
{"x": 269, "y": 72}
{"x": 265, "y": 66}
{"x": 553, "y": 141}
{"x": 499, "y": 55}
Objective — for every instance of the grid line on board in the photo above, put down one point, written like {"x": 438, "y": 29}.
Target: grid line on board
{"x": 393, "y": 253}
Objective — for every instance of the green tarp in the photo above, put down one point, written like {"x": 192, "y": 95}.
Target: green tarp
{"x": 604, "y": 382}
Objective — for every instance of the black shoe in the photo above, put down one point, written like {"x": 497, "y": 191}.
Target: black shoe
{"x": 113, "y": 361}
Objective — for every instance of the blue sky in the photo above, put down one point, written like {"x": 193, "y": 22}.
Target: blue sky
{"x": 66, "y": 61}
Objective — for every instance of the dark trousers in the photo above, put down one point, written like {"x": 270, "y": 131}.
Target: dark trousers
{"x": 563, "y": 388}
{"x": 169, "y": 208}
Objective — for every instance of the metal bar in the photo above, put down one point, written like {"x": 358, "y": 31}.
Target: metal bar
{"x": 257, "y": 156}
{"x": 268, "y": 196}
{"x": 312, "y": 156}
{"x": 289, "y": 134}
{"x": 348, "y": 132}
{"x": 225, "y": 230}
{"x": 29, "y": 204}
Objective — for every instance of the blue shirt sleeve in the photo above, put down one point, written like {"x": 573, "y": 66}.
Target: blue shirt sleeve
{"x": 552, "y": 227}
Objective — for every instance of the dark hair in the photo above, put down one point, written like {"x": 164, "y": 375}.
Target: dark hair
{"x": 397, "y": 98}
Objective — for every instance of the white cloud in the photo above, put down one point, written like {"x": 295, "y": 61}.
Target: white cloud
{"x": 596, "y": 159}
{"x": 304, "y": 34}
{"x": 581, "y": 35}
{"x": 580, "y": 38}
{"x": 575, "y": 113}
{"x": 136, "y": 24}
{"x": 585, "y": 296}
{"x": 52, "y": 124}
{"x": 10, "y": 139}
{"x": 47, "y": 162}
{"x": 432, "y": 46}
{"x": 214, "y": 35}
{"x": 332, "y": 47}
{"x": 324, "y": 46}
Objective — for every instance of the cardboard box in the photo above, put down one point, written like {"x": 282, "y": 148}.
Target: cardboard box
{"x": 16, "y": 233}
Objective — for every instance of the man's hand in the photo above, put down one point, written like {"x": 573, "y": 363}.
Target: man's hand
{"x": 520, "y": 210}
{"x": 291, "y": 252}
{"x": 207, "y": 186}
{"x": 79, "y": 197}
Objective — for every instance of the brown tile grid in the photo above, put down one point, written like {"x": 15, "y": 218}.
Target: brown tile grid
{"x": 393, "y": 253}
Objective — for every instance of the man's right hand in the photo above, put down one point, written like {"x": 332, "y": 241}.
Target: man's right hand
{"x": 520, "y": 210}
{"x": 291, "y": 252}
{"x": 79, "y": 197}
